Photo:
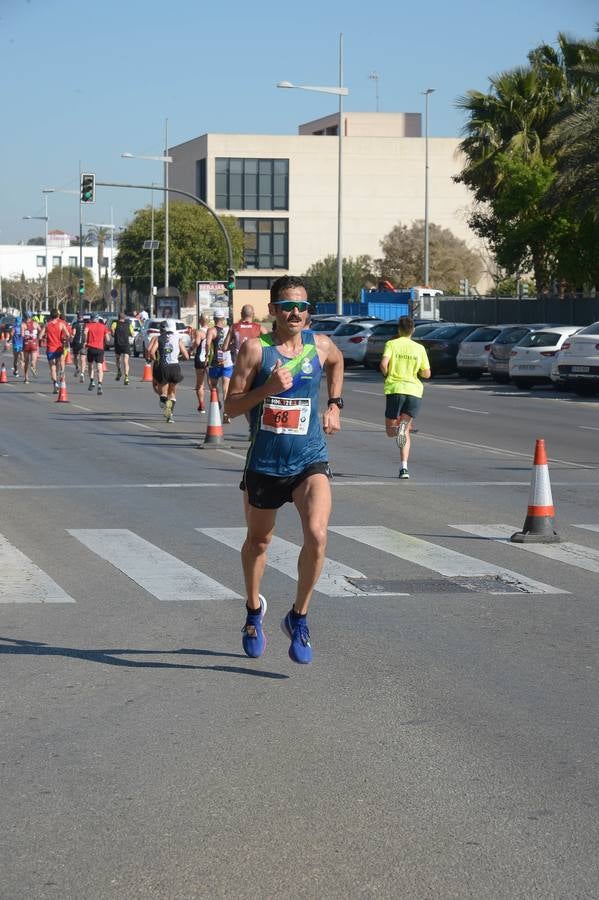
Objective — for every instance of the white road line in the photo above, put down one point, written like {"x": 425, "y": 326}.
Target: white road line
{"x": 84, "y": 408}
{"x": 588, "y": 427}
{"x": 155, "y": 570}
{"x": 372, "y": 393}
{"x": 438, "y": 559}
{"x": 588, "y": 527}
{"x": 572, "y": 554}
{"x": 499, "y": 450}
{"x": 242, "y": 456}
{"x": 481, "y": 412}
{"x": 141, "y": 425}
{"x": 283, "y": 556}
{"x": 21, "y": 581}
{"x": 361, "y": 422}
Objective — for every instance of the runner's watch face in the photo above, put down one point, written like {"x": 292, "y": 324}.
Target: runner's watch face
{"x": 335, "y": 401}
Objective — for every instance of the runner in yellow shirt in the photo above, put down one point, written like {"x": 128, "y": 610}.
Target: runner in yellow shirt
{"x": 403, "y": 364}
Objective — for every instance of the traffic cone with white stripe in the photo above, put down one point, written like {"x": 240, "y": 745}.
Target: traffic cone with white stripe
{"x": 539, "y": 523}
{"x": 214, "y": 431}
{"x": 3, "y": 375}
{"x": 147, "y": 372}
{"x": 63, "y": 396}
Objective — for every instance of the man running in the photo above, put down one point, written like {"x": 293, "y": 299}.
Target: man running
{"x": 242, "y": 330}
{"x": 77, "y": 344}
{"x": 56, "y": 333}
{"x": 200, "y": 360}
{"x": 17, "y": 346}
{"x": 165, "y": 348}
{"x": 31, "y": 347}
{"x": 277, "y": 377}
{"x": 122, "y": 331}
{"x": 403, "y": 364}
{"x": 220, "y": 363}
{"x": 95, "y": 339}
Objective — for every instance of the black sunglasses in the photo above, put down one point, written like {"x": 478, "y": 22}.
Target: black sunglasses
{"x": 289, "y": 305}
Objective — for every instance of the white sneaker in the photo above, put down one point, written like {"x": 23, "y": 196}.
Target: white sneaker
{"x": 401, "y": 438}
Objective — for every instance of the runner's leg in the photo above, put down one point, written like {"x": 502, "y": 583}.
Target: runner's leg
{"x": 261, "y": 524}
{"x": 313, "y": 501}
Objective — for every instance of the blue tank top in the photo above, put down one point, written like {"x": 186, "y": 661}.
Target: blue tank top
{"x": 287, "y": 436}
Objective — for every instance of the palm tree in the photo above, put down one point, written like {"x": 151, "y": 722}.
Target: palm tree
{"x": 99, "y": 235}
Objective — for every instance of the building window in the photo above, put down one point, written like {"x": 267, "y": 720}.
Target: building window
{"x": 266, "y": 243}
{"x": 254, "y": 284}
{"x": 105, "y": 262}
{"x": 88, "y": 262}
{"x": 252, "y": 183}
{"x": 56, "y": 261}
{"x": 201, "y": 190}
{"x": 73, "y": 261}
{"x": 40, "y": 260}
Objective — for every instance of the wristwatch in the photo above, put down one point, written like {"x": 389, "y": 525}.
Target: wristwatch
{"x": 335, "y": 401}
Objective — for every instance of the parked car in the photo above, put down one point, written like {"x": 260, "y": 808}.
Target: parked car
{"x": 502, "y": 346}
{"x": 578, "y": 361}
{"x": 387, "y": 331}
{"x": 151, "y": 328}
{"x": 473, "y": 356}
{"x": 530, "y": 362}
{"x": 330, "y": 323}
{"x": 442, "y": 347}
{"x": 351, "y": 339}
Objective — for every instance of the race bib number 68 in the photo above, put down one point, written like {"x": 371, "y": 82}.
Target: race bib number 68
{"x": 286, "y": 415}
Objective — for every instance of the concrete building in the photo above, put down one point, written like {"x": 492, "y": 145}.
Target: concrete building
{"x": 283, "y": 189}
{"x": 29, "y": 260}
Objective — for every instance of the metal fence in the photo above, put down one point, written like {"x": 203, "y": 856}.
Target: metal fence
{"x": 505, "y": 310}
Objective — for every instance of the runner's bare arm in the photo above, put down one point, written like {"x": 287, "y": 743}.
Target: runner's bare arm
{"x": 240, "y": 397}
{"x": 183, "y": 350}
{"x": 384, "y": 366}
{"x": 228, "y": 339}
{"x": 152, "y": 348}
{"x": 332, "y": 359}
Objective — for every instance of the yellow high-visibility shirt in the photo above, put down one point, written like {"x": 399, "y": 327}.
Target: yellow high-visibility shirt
{"x": 406, "y": 359}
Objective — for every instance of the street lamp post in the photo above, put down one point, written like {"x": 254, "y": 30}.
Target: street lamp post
{"x": 44, "y": 218}
{"x": 341, "y": 92}
{"x": 166, "y": 160}
{"x": 427, "y": 94}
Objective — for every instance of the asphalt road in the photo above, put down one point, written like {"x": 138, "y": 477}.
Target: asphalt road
{"x": 442, "y": 745}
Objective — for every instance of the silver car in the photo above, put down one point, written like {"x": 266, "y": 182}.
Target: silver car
{"x": 501, "y": 350}
{"x": 473, "y": 355}
{"x": 351, "y": 339}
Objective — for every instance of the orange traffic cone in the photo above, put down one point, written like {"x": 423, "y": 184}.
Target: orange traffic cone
{"x": 3, "y": 375}
{"x": 538, "y": 525}
{"x": 214, "y": 431}
{"x": 63, "y": 397}
{"x": 68, "y": 360}
{"x": 147, "y": 372}
{"x": 104, "y": 366}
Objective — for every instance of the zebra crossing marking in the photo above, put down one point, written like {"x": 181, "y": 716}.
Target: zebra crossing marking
{"x": 588, "y": 527}
{"x": 21, "y": 581}
{"x": 156, "y": 571}
{"x": 437, "y": 558}
{"x": 567, "y": 552}
{"x": 283, "y": 556}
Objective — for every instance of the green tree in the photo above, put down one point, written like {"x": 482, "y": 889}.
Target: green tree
{"x": 98, "y": 234}
{"x": 321, "y": 277}
{"x": 197, "y": 250}
{"x": 450, "y": 258}
{"x": 63, "y": 288}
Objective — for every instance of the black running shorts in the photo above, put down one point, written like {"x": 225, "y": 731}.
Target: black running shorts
{"x": 271, "y": 492}
{"x": 167, "y": 373}
{"x": 94, "y": 355}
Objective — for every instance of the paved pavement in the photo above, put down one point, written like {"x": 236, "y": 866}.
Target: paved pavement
{"x": 442, "y": 745}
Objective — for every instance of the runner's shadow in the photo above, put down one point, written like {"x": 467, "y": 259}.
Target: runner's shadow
{"x": 110, "y": 657}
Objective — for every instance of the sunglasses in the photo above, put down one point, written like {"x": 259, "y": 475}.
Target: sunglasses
{"x": 290, "y": 305}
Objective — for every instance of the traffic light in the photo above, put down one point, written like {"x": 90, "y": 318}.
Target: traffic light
{"x": 88, "y": 188}
{"x": 81, "y": 286}
{"x": 230, "y": 279}
{"x": 464, "y": 287}
{"x": 523, "y": 289}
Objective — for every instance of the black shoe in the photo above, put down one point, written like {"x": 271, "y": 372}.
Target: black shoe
{"x": 99, "y": 390}
{"x": 403, "y": 473}
{"x": 91, "y": 385}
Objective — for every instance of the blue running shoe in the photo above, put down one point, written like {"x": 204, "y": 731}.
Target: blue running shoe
{"x": 254, "y": 639}
{"x": 296, "y": 629}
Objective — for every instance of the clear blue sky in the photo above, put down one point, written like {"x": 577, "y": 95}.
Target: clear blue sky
{"x": 87, "y": 81}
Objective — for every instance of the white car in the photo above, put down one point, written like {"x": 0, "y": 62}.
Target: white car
{"x": 531, "y": 358}
{"x": 578, "y": 363}
{"x": 351, "y": 339}
{"x": 473, "y": 355}
{"x": 151, "y": 328}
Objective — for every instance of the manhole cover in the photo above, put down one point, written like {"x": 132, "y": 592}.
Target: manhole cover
{"x": 480, "y": 584}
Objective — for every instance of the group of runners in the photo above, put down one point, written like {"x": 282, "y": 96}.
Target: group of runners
{"x": 273, "y": 379}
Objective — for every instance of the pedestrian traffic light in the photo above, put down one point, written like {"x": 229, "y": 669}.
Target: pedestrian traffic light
{"x": 524, "y": 289}
{"x": 464, "y": 287}
{"x": 88, "y": 188}
{"x": 230, "y": 279}
{"x": 81, "y": 285}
